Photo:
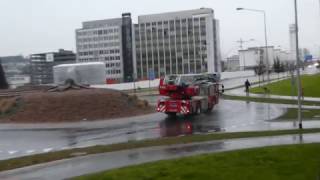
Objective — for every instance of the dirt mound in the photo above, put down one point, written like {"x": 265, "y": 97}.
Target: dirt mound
{"x": 76, "y": 105}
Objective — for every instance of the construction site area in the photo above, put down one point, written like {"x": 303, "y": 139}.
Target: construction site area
{"x": 68, "y": 104}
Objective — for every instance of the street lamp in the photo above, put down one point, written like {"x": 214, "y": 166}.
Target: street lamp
{"x": 265, "y": 35}
{"x": 298, "y": 64}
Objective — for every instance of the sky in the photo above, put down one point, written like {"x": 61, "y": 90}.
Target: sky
{"x": 35, "y": 26}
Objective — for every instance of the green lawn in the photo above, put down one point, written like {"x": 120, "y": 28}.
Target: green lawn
{"x": 307, "y": 114}
{"x": 310, "y": 85}
{"x": 295, "y": 162}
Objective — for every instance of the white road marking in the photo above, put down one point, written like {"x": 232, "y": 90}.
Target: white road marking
{"x": 64, "y": 148}
{"x": 12, "y": 152}
{"x": 47, "y": 150}
{"x": 83, "y": 146}
{"x": 30, "y": 151}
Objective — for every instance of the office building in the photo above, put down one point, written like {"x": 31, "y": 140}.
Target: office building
{"x": 181, "y": 42}
{"x": 42, "y": 65}
{"x": 108, "y": 41}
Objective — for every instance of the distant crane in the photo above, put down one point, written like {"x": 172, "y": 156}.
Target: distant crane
{"x": 241, "y": 42}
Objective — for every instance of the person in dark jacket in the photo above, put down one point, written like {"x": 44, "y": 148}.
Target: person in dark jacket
{"x": 247, "y": 85}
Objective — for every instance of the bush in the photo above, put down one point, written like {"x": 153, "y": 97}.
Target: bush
{"x": 132, "y": 98}
{"x": 142, "y": 104}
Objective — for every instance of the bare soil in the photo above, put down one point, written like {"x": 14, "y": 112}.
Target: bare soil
{"x": 76, "y": 105}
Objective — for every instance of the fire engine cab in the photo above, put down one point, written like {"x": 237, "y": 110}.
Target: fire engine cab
{"x": 188, "y": 94}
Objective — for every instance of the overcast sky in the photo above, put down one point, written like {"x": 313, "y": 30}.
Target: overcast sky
{"x": 33, "y": 26}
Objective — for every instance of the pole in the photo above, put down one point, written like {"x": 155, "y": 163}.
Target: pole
{"x": 266, "y": 43}
{"x": 298, "y": 64}
{"x": 134, "y": 83}
{"x": 244, "y": 56}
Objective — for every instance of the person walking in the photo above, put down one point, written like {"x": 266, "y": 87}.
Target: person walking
{"x": 247, "y": 85}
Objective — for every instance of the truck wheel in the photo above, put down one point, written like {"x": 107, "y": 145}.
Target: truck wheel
{"x": 210, "y": 108}
{"x": 198, "y": 110}
{"x": 170, "y": 114}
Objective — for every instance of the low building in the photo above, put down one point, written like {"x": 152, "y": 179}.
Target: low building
{"x": 282, "y": 56}
{"x": 17, "y": 70}
{"x": 233, "y": 63}
{"x": 42, "y": 65}
{"x": 15, "y": 65}
{"x": 252, "y": 57}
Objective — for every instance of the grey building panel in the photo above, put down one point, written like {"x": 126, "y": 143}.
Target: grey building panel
{"x": 174, "y": 15}
{"x": 102, "y": 23}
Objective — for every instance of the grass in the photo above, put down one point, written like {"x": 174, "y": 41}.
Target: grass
{"x": 307, "y": 114}
{"x": 269, "y": 100}
{"x": 53, "y": 156}
{"x": 294, "y": 162}
{"x": 9, "y": 106}
{"x": 310, "y": 85}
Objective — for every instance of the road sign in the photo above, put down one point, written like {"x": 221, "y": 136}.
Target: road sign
{"x": 151, "y": 74}
{"x": 308, "y": 58}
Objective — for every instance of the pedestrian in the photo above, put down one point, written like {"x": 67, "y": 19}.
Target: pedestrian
{"x": 247, "y": 85}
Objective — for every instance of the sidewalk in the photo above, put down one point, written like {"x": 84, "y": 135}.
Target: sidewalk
{"x": 241, "y": 92}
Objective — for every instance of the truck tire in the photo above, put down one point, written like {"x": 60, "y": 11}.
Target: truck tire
{"x": 171, "y": 114}
{"x": 210, "y": 108}
{"x": 198, "y": 109}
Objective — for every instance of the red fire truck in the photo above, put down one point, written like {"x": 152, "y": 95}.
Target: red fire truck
{"x": 188, "y": 94}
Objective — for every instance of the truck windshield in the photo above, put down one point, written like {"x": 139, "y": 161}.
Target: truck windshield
{"x": 172, "y": 79}
{"x": 186, "y": 80}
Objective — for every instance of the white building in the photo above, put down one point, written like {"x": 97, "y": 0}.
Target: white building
{"x": 233, "y": 63}
{"x": 254, "y": 56}
{"x": 108, "y": 41}
{"x": 177, "y": 43}
{"x": 283, "y": 56}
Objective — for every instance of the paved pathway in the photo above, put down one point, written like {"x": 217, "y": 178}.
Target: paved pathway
{"x": 94, "y": 163}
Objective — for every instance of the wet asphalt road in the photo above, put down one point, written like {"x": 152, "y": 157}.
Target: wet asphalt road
{"x": 95, "y": 163}
{"x": 228, "y": 116}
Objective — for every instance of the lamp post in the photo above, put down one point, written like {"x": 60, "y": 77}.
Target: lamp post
{"x": 298, "y": 64}
{"x": 265, "y": 35}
